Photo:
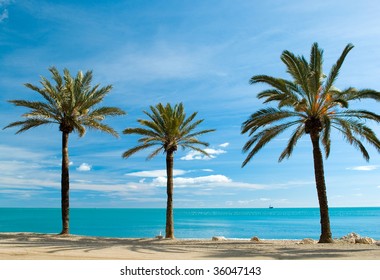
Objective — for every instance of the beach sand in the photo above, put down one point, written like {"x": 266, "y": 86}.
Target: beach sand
{"x": 32, "y": 246}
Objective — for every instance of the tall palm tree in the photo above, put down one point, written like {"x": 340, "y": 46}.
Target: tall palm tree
{"x": 70, "y": 103}
{"x": 168, "y": 128}
{"x": 310, "y": 103}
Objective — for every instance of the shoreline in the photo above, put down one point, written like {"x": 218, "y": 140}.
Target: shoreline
{"x": 37, "y": 246}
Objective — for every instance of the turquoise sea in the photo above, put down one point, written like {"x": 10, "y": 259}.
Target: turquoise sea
{"x": 284, "y": 223}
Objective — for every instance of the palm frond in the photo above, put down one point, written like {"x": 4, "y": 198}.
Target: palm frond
{"x": 156, "y": 122}
{"x": 198, "y": 133}
{"x": 96, "y": 125}
{"x": 81, "y": 129}
{"x": 156, "y": 127}
{"x": 56, "y": 77}
{"x": 28, "y": 124}
{"x": 326, "y": 142}
{"x": 185, "y": 130}
{"x": 263, "y": 137}
{"x": 106, "y": 111}
{"x": 156, "y": 152}
{"x": 356, "y": 143}
{"x": 152, "y": 140}
{"x": 187, "y": 121}
{"x": 40, "y": 110}
{"x": 338, "y": 101}
{"x": 28, "y": 104}
{"x": 354, "y": 94}
{"x": 192, "y": 147}
{"x": 141, "y": 131}
{"x": 192, "y": 141}
{"x": 265, "y": 117}
{"x": 335, "y": 69}
{"x": 368, "y": 134}
{"x": 350, "y": 128}
{"x": 49, "y": 94}
{"x": 344, "y": 127}
{"x": 94, "y": 96}
{"x": 359, "y": 114}
{"x": 316, "y": 55}
{"x": 297, "y": 67}
{"x": 136, "y": 149}
{"x": 298, "y": 133}
{"x": 277, "y": 83}
{"x": 359, "y": 145}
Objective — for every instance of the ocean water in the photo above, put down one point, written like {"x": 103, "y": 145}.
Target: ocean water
{"x": 284, "y": 223}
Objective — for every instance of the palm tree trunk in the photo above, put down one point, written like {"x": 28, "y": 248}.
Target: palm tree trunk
{"x": 65, "y": 184}
{"x": 169, "y": 233}
{"x": 326, "y": 236}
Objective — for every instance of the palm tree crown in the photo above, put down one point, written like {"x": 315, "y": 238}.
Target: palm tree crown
{"x": 168, "y": 128}
{"x": 313, "y": 105}
{"x": 69, "y": 103}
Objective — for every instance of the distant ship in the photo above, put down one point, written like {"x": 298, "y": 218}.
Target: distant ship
{"x": 270, "y": 207}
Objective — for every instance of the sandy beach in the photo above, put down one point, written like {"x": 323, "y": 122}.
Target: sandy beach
{"x": 31, "y": 246}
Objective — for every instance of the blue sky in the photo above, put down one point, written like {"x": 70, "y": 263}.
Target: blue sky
{"x": 201, "y": 53}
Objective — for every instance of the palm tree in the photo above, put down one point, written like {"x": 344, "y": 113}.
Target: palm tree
{"x": 168, "y": 128}
{"x": 70, "y": 104}
{"x": 312, "y": 104}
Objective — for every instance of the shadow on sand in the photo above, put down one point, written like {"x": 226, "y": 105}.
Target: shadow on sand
{"x": 48, "y": 246}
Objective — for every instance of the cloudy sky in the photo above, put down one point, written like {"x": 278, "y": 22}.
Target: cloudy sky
{"x": 201, "y": 53}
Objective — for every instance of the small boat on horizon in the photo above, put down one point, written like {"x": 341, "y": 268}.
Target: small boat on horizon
{"x": 270, "y": 207}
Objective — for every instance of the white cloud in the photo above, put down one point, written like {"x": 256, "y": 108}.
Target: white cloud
{"x": 364, "y": 168}
{"x": 4, "y": 15}
{"x": 244, "y": 185}
{"x": 19, "y": 194}
{"x": 201, "y": 181}
{"x": 243, "y": 202}
{"x": 49, "y": 181}
{"x": 82, "y": 181}
{"x": 257, "y": 202}
{"x": 214, "y": 152}
{"x": 101, "y": 186}
{"x": 84, "y": 167}
{"x": 211, "y": 181}
{"x": 155, "y": 173}
{"x": 22, "y": 154}
{"x": 207, "y": 170}
{"x": 5, "y": 2}
{"x": 224, "y": 145}
{"x": 24, "y": 168}
{"x": 195, "y": 155}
